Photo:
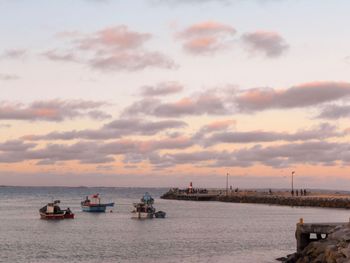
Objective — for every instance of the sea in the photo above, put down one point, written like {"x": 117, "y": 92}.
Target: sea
{"x": 191, "y": 232}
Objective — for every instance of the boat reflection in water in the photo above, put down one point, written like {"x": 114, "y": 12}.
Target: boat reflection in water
{"x": 52, "y": 211}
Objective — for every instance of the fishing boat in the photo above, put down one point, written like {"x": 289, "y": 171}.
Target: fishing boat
{"x": 93, "y": 204}
{"x": 52, "y": 211}
{"x": 145, "y": 209}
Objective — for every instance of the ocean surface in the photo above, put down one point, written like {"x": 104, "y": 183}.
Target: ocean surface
{"x": 192, "y": 232}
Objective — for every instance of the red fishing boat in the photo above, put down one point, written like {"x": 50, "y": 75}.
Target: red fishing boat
{"x": 52, "y": 211}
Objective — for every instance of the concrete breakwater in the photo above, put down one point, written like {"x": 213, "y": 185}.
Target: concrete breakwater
{"x": 312, "y": 199}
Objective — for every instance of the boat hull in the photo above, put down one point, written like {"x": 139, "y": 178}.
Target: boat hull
{"x": 52, "y": 216}
{"x": 142, "y": 215}
{"x": 94, "y": 209}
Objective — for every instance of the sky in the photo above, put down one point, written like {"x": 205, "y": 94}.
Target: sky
{"x": 163, "y": 92}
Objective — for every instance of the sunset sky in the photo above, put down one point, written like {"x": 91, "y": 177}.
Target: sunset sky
{"x": 164, "y": 92}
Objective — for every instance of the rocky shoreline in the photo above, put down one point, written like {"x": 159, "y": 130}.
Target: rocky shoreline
{"x": 254, "y": 197}
{"x": 333, "y": 249}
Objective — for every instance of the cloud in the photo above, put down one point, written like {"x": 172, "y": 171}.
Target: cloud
{"x": 334, "y": 112}
{"x": 208, "y": 102}
{"x": 115, "y": 38}
{"x": 312, "y": 153}
{"x": 16, "y": 146}
{"x": 55, "y": 55}
{"x": 51, "y": 110}
{"x": 131, "y": 61}
{"x": 111, "y": 49}
{"x": 85, "y": 152}
{"x": 220, "y": 125}
{"x": 5, "y": 126}
{"x": 7, "y": 77}
{"x": 113, "y": 130}
{"x": 323, "y": 131}
{"x": 206, "y": 37}
{"x": 161, "y": 89}
{"x": 15, "y": 53}
{"x": 303, "y": 95}
{"x": 230, "y": 100}
{"x": 271, "y": 44}
{"x": 174, "y": 2}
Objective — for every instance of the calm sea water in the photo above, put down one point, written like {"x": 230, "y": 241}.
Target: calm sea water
{"x": 192, "y": 232}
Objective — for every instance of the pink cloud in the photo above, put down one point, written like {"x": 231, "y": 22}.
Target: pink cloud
{"x": 111, "y": 49}
{"x": 206, "y": 37}
{"x": 206, "y": 28}
{"x": 220, "y": 125}
{"x": 118, "y": 37}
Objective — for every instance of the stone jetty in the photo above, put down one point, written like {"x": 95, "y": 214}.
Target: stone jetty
{"x": 311, "y": 199}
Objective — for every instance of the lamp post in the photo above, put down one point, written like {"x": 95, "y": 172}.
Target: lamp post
{"x": 227, "y": 184}
{"x": 293, "y": 172}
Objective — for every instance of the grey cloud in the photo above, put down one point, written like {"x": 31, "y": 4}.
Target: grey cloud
{"x": 314, "y": 153}
{"x": 231, "y": 100}
{"x": 7, "y": 77}
{"x": 131, "y": 61}
{"x": 85, "y": 152}
{"x": 204, "y": 103}
{"x": 324, "y": 131}
{"x": 304, "y": 95}
{"x": 269, "y": 43}
{"x": 14, "y": 53}
{"x": 334, "y": 112}
{"x": 161, "y": 89}
{"x": 113, "y": 130}
{"x": 51, "y": 110}
{"x": 55, "y": 55}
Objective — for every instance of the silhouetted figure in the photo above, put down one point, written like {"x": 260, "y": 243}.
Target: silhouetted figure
{"x": 305, "y": 192}
{"x": 270, "y": 191}
{"x": 297, "y": 192}
{"x": 301, "y": 192}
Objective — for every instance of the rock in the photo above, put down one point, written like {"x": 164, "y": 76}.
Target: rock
{"x": 334, "y": 249}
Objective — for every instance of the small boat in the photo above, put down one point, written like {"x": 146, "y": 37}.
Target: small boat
{"x": 52, "y": 211}
{"x": 93, "y": 204}
{"x": 159, "y": 214}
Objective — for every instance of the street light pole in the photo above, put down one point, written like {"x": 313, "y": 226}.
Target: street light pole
{"x": 227, "y": 184}
{"x": 293, "y": 182}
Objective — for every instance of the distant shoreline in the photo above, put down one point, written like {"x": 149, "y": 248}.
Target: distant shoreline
{"x": 311, "y": 199}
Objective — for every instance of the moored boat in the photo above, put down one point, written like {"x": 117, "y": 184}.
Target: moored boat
{"x": 145, "y": 208}
{"x": 93, "y": 204}
{"x": 52, "y": 211}
{"x": 160, "y": 214}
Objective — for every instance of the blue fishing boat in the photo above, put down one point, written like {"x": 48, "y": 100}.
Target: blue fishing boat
{"x": 93, "y": 204}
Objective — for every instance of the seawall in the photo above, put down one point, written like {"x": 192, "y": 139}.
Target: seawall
{"x": 278, "y": 198}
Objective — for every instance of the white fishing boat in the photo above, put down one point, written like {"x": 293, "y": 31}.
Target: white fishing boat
{"x": 144, "y": 209}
